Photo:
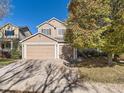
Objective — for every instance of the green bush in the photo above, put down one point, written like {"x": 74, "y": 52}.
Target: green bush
{"x": 15, "y": 54}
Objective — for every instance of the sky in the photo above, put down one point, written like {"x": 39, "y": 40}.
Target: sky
{"x": 33, "y": 12}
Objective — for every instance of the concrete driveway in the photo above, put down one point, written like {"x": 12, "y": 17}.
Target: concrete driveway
{"x": 49, "y": 76}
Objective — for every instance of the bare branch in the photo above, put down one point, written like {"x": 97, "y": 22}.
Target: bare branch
{"x": 4, "y": 8}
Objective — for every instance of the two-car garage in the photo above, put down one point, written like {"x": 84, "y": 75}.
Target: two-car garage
{"x": 40, "y": 46}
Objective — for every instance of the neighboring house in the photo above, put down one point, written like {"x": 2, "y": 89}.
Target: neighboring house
{"x": 9, "y": 33}
{"x": 48, "y": 43}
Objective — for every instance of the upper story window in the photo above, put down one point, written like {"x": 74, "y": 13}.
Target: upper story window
{"x": 61, "y": 32}
{"x": 46, "y": 31}
{"x": 9, "y": 33}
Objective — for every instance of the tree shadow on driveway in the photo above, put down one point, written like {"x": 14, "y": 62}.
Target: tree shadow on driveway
{"x": 40, "y": 77}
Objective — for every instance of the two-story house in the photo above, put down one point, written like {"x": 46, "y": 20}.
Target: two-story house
{"x": 48, "y": 42}
{"x": 8, "y": 34}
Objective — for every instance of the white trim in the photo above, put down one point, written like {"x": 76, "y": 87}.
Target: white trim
{"x": 37, "y": 34}
{"x": 56, "y": 20}
{"x": 11, "y": 45}
{"x": 58, "y": 51}
{"x": 22, "y": 51}
{"x": 39, "y": 43}
{"x": 63, "y": 44}
{"x": 58, "y": 32}
{"x": 8, "y": 24}
{"x": 44, "y": 23}
{"x": 47, "y": 22}
{"x": 28, "y": 37}
{"x": 25, "y": 51}
{"x": 75, "y": 53}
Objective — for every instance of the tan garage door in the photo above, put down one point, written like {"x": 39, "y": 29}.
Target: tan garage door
{"x": 40, "y": 52}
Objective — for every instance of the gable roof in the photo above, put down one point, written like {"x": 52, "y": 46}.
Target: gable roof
{"x": 37, "y": 34}
{"x": 47, "y": 22}
{"x": 55, "y": 39}
{"x": 23, "y": 30}
{"x": 56, "y": 20}
{"x": 8, "y": 24}
{"x": 44, "y": 24}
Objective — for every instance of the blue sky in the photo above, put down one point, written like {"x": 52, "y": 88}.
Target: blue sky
{"x": 33, "y": 12}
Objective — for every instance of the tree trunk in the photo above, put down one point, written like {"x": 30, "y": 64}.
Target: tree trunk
{"x": 110, "y": 58}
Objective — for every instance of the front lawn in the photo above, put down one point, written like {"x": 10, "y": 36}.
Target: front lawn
{"x": 4, "y": 62}
{"x": 104, "y": 73}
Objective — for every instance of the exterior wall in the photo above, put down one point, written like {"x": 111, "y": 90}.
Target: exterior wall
{"x": 57, "y": 24}
{"x": 54, "y": 26}
{"x": 8, "y": 39}
{"x": 47, "y": 26}
{"x": 39, "y": 47}
{"x": 33, "y": 50}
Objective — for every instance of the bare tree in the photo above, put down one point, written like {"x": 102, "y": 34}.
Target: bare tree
{"x": 4, "y": 8}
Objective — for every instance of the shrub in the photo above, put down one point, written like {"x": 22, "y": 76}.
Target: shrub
{"x": 15, "y": 54}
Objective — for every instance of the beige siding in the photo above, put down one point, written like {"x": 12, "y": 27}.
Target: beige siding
{"x": 47, "y": 26}
{"x": 40, "y": 38}
{"x": 40, "y": 52}
{"x": 57, "y": 24}
{"x": 54, "y": 26}
{"x": 39, "y": 47}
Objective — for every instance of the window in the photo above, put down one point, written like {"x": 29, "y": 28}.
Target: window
{"x": 61, "y": 31}
{"x": 9, "y": 33}
{"x": 46, "y": 31}
{"x": 6, "y": 45}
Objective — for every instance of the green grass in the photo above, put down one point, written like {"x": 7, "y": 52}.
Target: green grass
{"x": 4, "y": 62}
{"x": 102, "y": 73}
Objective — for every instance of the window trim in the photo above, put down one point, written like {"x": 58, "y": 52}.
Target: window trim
{"x": 46, "y": 30}
{"x": 12, "y": 31}
{"x": 58, "y": 31}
